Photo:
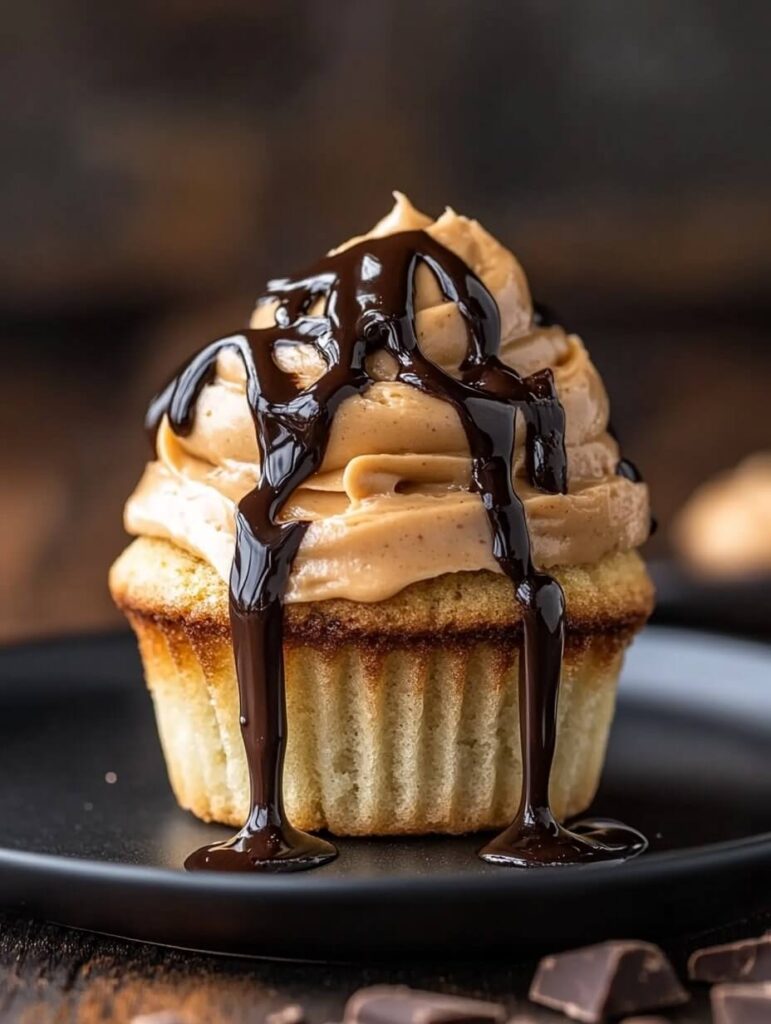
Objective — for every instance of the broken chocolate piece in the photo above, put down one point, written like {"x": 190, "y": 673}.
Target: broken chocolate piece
{"x": 397, "y": 1004}
{"x": 746, "y": 960}
{"x": 607, "y": 980}
{"x": 741, "y": 1004}
{"x": 645, "y": 1020}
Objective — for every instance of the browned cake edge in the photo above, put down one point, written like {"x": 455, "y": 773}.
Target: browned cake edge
{"x": 156, "y": 579}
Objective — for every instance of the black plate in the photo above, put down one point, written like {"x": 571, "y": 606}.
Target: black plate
{"x": 90, "y": 835}
{"x": 738, "y": 606}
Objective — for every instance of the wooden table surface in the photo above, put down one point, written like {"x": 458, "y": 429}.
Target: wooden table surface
{"x": 52, "y": 975}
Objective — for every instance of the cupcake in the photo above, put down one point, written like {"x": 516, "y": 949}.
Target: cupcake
{"x": 724, "y": 529}
{"x": 401, "y": 631}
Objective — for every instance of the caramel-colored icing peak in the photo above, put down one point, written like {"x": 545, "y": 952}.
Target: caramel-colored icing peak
{"x": 391, "y": 504}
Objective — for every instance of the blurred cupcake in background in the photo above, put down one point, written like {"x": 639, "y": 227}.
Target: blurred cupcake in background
{"x": 724, "y": 529}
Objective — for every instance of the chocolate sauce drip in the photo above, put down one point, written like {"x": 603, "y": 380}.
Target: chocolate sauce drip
{"x": 628, "y": 469}
{"x": 544, "y": 316}
{"x": 367, "y": 292}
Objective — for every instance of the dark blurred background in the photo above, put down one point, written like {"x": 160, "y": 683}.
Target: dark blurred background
{"x": 160, "y": 160}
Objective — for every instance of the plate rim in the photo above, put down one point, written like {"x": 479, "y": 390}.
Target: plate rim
{"x": 745, "y": 851}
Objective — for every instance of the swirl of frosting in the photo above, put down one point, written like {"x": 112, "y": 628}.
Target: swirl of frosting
{"x": 391, "y": 503}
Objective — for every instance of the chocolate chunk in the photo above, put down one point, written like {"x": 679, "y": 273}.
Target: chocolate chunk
{"x": 397, "y": 1004}
{"x": 607, "y": 980}
{"x": 645, "y": 1020}
{"x": 291, "y": 1014}
{"x": 747, "y": 960}
{"x": 741, "y": 1004}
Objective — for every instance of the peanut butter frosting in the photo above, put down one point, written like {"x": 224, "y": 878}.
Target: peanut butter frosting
{"x": 391, "y": 504}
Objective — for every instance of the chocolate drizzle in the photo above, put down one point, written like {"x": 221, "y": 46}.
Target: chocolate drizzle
{"x": 628, "y": 469}
{"x": 367, "y": 292}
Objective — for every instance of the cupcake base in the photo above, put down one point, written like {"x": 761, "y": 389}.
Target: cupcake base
{"x": 403, "y": 716}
